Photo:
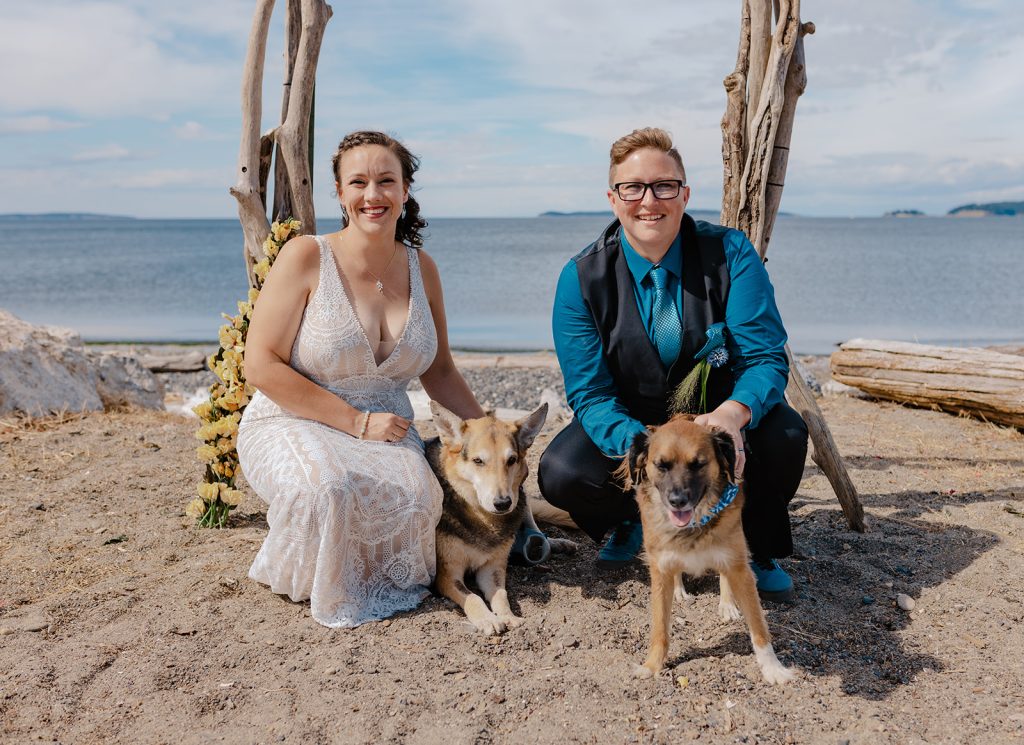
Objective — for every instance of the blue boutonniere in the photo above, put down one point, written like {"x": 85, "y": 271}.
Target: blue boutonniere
{"x": 691, "y": 395}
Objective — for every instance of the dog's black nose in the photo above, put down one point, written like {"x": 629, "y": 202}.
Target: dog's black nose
{"x": 503, "y": 504}
{"x": 679, "y": 499}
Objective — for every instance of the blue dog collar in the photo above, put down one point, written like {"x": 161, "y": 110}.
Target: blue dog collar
{"x": 724, "y": 501}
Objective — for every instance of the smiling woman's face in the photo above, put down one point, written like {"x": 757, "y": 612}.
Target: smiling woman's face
{"x": 370, "y": 188}
{"x": 651, "y": 224}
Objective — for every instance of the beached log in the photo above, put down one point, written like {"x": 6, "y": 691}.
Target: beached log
{"x": 977, "y": 382}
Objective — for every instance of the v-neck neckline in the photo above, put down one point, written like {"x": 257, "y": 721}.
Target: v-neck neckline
{"x": 352, "y": 306}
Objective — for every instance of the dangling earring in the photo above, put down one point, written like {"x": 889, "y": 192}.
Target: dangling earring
{"x": 344, "y": 216}
{"x": 404, "y": 206}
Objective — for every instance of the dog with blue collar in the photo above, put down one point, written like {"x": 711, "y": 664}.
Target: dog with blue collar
{"x": 684, "y": 478}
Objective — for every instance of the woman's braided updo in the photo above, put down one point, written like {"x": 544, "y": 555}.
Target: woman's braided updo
{"x": 410, "y": 223}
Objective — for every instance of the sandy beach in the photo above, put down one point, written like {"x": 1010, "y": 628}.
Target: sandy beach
{"x": 122, "y": 622}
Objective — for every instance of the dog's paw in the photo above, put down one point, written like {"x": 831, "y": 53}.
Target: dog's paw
{"x": 489, "y": 625}
{"x": 642, "y": 672}
{"x": 680, "y": 595}
{"x": 777, "y": 674}
{"x": 512, "y": 622}
{"x": 563, "y": 546}
{"x": 728, "y": 611}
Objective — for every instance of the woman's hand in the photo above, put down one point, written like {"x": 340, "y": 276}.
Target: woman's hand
{"x": 732, "y": 416}
{"x": 386, "y": 427}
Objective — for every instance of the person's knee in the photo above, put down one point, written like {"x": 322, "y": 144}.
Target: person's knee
{"x": 555, "y": 477}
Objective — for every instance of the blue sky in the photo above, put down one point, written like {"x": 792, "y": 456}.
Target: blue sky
{"x": 132, "y": 106}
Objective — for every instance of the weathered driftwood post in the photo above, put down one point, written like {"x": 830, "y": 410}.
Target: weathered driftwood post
{"x": 756, "y": 130}
{"x": 293, "y": 186}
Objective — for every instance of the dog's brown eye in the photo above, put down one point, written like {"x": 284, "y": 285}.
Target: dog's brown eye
{"x": 662, "y": 465}
{"x": 512, "y": 460}
{"x": 698, "y": 464}
{"x": 478, "y": 461}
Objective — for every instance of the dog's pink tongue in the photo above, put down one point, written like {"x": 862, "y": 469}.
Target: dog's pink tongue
{"x": 680, "y": 518}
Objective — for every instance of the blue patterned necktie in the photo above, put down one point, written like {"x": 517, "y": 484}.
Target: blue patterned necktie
{"x": 667, "y": 329}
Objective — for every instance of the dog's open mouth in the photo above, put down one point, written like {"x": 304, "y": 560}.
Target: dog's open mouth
{"x": 680, "y": 518}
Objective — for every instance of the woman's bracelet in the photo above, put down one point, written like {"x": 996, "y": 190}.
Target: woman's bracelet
{"x": 365, "y": 425}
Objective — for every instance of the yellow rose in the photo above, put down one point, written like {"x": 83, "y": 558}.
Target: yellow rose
{"x": 208, "y": 492}
{"x": 196, "y": 508}
{"x": 280, "y": 231}
{"x": 261, "y": 269}
{"x": 232, "y": 497}
{"x": 207, "y": 453}
{"x": 203, "y": 410}
{"x": 253, "y": 294}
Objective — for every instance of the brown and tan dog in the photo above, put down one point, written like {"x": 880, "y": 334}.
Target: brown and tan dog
{"x": 683, "y": 475}
{"x": 481, "y": 464}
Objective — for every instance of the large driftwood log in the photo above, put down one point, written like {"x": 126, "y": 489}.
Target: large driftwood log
{"x": 978, "y": 382}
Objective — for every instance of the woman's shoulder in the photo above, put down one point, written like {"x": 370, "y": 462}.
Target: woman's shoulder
{"x": 301, "y": 252}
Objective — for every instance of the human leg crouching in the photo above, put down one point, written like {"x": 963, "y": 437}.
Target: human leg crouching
{"x": 577, "y": 477}
{"x": 776, "y": 451}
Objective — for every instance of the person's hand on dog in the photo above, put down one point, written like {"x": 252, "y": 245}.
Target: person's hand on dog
{"x": 732, "y": 416}
{"x": 387, "y": 427}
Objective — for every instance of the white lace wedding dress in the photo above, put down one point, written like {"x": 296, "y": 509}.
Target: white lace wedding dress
{"x": 351, "y": 521}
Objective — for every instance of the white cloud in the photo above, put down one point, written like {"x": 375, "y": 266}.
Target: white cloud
{"x": 107, "y": 152}
{"x": 105, "y": 59}
{"x": 160, "y": 178}
{"x": 191, "y": 131}
{"x": 36, "y": 124}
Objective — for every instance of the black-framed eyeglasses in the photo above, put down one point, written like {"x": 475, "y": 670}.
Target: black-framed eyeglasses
{"x": 633, "y": 191}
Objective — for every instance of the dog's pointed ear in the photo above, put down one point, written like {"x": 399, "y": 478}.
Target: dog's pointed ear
{"x": 530, "y": 426}
{"x": 632, "y": 469}
{"x": 725, "y": 448}
{"x": 449, "y": 426}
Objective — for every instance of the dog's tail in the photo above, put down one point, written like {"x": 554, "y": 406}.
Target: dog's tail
{"x": 545, "y": 512}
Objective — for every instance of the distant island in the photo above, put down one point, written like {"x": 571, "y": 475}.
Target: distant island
{"x": 699, "y": 214}
{"x": 988, "y": 210}
{"x": 69, "y": 216}
{"x": 905, "y": 213}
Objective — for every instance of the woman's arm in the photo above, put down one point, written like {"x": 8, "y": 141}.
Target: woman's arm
{"x": 442, "y": 381}
{"x": 268, "y": 346}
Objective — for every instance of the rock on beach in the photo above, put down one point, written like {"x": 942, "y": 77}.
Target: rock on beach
{"x": 48, "y": 370}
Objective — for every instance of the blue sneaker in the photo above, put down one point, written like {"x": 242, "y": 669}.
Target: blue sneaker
{"x": 623, "y": 545}
{"x": 530, "y": 547}
{"x": 772, "y": 581}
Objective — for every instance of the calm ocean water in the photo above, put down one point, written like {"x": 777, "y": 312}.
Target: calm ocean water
{"x": 932, "y": 280}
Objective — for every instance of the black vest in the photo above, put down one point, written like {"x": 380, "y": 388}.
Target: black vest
{"x": 607, "y": 286}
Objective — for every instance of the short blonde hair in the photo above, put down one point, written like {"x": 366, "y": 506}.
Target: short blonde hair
{"x": 638, "y": 139}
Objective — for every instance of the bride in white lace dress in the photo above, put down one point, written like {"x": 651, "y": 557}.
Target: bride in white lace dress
{"x": 342, "y": 325}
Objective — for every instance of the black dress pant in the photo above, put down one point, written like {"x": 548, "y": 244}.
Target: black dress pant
{"x": 577, "y": 477}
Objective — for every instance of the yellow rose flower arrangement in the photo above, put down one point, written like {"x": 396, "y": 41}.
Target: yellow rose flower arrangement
{"x": 219, "y": 416}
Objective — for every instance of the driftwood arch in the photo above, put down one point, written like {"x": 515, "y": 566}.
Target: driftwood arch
{"x": 757, "y": 127}
{"x": 305, "y": 21}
